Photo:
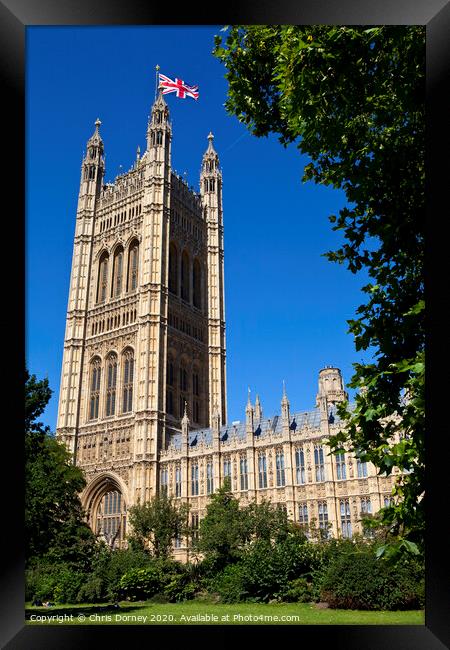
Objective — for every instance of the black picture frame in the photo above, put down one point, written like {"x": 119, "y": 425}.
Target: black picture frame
{"x": 15, "y": 16}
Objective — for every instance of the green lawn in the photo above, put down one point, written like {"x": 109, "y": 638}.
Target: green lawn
{"x": 203, "y": 613}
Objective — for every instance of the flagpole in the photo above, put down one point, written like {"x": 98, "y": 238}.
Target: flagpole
{"x": 156, "y": 81}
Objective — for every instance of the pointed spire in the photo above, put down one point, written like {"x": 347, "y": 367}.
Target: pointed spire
{"x": 284, "y": 398}
{"x": 258, "y": 409}
{"x": 249, "y": 403}
{"x": 96, "y": 137}
{"x": 185, "y": 419}
{"x": 210, "y": 143}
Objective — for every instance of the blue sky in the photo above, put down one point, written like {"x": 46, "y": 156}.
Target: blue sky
{"x": 286, "y": 305}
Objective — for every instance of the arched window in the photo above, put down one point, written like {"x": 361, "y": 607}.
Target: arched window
{"x": 111, "y": 518}
{"x": 133, "y": 266}
{"x": 185, "y": 277}
{"x": 128, "y": 374}
{"x": 96, "y": 369}
{"x": 102, "y": 278}
{"x": 173, "y": 269}
{"x": 117, "y": 273}
{"x": 197, "y": 284}
{"x": 111, "y": 383}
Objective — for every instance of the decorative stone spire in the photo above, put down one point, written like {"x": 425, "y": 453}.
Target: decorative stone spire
{"x": 249, "y": 413}
{"x": 285, "y": 405}
{"x": 210, "y": 163}
{"x": 185, "y": 423}
{"x": 158, "y": 130}
{"x": 215, "y": 425}
{"x": 93, "y": 165}
{"x": 258, "y": 409}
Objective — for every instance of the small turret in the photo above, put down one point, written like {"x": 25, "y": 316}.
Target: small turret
{"x": 159, "y": 129}
{"x": 331, "y": 391}
{"x": 93, "y": 165}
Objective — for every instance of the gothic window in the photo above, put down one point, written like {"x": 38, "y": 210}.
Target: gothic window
{"x": 197, "y": 284}
{"x": 323, "y": 517}
{"x": 111, "y": 517}
{"x": 280, "y": 468}
{"x": 153, "y": 138}
{"x": 300, "y": 466}
{"x": 185, "y": 277}
{"x": 178, "y": 482}
{"x": 341, "y": 470}
{"x": 117, "y": 272}
{"x": 196, "y": 383}
{"x": 173, "y": 269}
{"x": 170, "y": 373}
{"x": 243, "y": 472}
{"x": 362, "y": 468}
{"x": 388, "y": 501}
{"x": 212, "y": 184}
{"x": 194, "y": 480}
{"x": 95, "y": 388}
{"x": 319, "y": 463}
{"x": 303, "y": 514}
{"x": 164, "y": 482}
{"x": 196, "y": 413}
{"x": 159, "y": 137}
{"x": 206, "y": 185}
{"x": 111, "y": 383}
{"x": 194, "y": 525}
{"x": 227, "y": 468}
{"x": 366, "y": 506}
{"x": 128, "y": 373}
{"x": 262, "y": 471}
{"x": 209, "y": 478}
{"x": 346, "y": 525}
{"x": 170, "y": 403}
{"x": 102, "y": 278}
{"x": 183, "y": 379}
{"x": 133, "y": 266}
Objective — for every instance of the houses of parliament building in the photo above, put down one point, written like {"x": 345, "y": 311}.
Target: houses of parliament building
{"x": 142, "y": 404}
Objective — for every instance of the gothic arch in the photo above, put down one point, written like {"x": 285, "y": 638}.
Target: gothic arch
{"x": 132, "y": 272}
{"x": 103, "y": 249}
{"x": 93, "y": 493}
{"x": 117, "y": 284}
{"x": 102, "y": 277}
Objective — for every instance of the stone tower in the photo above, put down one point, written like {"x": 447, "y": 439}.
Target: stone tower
{"x": 145, "y": 332}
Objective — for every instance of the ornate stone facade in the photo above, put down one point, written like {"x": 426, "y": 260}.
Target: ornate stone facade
{"x": 145, "y": 347}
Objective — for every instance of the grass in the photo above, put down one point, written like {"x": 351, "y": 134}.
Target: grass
{"x": 204, "y": 613}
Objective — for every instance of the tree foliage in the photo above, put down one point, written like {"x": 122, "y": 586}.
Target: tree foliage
{"x": 156, "y": 524}
{"x": 352, "y": 100}
{"x": 54, "y": 518}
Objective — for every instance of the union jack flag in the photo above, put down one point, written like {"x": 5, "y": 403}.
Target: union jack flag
{"x": 178, "y": 86}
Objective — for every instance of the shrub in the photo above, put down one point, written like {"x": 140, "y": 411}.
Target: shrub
{"x": 140, "y": 584}
{"x": 179, "y": 587}
{"x": 60, "y": 582}
{"x": 299, "y": 591}
{"x": 360, "y": 581}
{"x": 229, "y": 584}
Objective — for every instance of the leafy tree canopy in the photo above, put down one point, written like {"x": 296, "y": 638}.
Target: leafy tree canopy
{"x": 156, "y": 524}
{"x": 54, "y": 525}
{"x": 352, "y": 100}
